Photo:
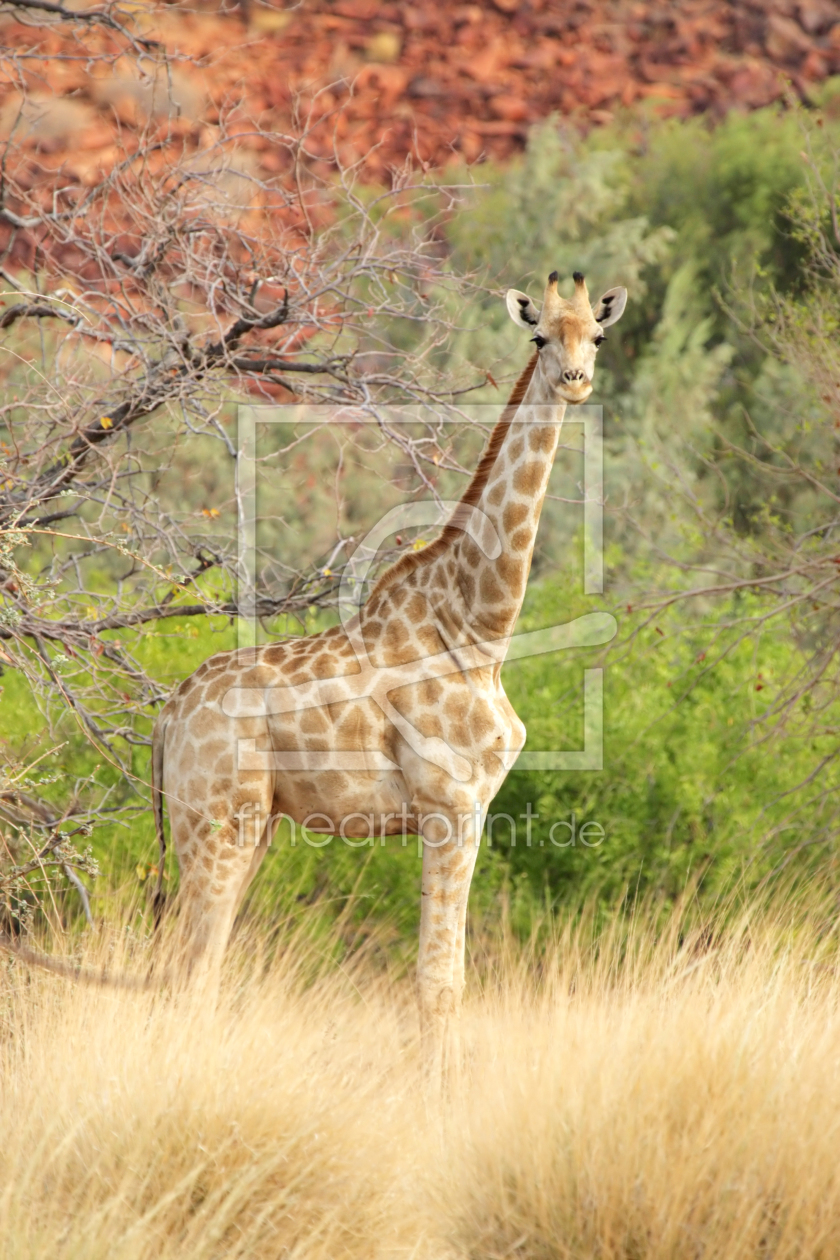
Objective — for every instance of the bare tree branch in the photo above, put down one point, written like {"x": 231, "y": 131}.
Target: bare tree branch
{"x": 148, "y": 301}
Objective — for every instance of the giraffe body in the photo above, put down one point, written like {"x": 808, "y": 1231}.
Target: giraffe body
{"x": 397, "y": 721}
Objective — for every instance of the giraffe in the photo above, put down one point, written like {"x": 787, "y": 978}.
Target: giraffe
{"x": 400, "y": 711}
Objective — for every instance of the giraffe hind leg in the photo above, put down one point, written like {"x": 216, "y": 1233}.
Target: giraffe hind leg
{"x": 217, "y": 864}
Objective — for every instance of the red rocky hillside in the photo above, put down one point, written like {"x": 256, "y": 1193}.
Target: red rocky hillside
{"x": 434, "y": 81}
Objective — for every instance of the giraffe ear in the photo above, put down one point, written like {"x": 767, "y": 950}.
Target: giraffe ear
{"x": 521, "y": 309}
{"x": 611, "y": 307}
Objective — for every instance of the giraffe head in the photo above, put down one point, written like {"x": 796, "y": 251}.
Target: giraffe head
{"x": 567, "y": 333}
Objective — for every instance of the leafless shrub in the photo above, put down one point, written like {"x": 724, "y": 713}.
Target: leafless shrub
{"x": 142, "y": 301}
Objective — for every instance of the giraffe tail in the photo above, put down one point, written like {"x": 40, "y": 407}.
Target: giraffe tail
{"x": 158, "y": 738}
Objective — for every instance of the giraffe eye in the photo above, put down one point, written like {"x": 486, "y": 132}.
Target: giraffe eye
{"x": 539, "y": 341}
{"x": 599, "y": 339}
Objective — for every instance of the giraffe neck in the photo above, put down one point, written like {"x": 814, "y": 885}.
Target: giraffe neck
{"x": 509, "y": 488}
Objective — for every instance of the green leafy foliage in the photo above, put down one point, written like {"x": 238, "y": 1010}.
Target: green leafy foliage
{"x": 699, "y": 222}
{"x": 689, "y": 793}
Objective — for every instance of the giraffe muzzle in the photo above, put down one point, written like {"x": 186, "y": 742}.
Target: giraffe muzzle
{"x": 575, "y": 386}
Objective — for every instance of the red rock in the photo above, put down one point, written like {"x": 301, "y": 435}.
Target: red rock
{"x": 817, "y": 15}
{"x": 501, "y": 127}
{"x": 391, "y": 82}
{"x": 513, "y": 108}
{"x": 362, "y": 10}
{"x": 786, "y": 40}
{"x": 756, "y": 85}
{"x": 666, "y": 91}
{"x": 464, "y": 78}
{"x": 814, "y": 66}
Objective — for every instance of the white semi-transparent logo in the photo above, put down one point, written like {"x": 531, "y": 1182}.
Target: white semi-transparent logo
{"x": 376, "y": 682}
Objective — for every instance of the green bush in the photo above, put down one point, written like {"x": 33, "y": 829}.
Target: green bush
{"x": 689, "y": 793}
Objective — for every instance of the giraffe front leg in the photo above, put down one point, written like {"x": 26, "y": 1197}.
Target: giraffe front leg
{"x": 450, "y": 849}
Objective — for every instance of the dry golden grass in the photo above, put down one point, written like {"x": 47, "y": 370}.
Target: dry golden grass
{"x": 624, "y": 1096}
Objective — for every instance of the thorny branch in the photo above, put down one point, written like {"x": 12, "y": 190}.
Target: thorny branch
{"x": 143, "y": 305}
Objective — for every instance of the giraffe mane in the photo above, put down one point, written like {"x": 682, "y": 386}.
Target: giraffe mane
{"x": 472, "y": 494}
{"x": 480, "y": 477}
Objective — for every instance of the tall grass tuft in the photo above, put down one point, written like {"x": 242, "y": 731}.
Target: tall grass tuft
{"x": 649, "y": 1089}
{"x": 671, "y": 1093}
{"x": 139, "y": 1125}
